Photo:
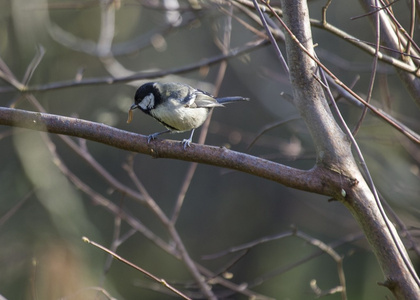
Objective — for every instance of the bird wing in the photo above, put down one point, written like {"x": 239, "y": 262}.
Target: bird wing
{"x": 202, "y": 99}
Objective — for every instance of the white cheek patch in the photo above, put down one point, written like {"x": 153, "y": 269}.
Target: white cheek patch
{"x": 148, "y": 102}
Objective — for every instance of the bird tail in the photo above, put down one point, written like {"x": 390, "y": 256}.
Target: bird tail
{"x": 231, "y": 99}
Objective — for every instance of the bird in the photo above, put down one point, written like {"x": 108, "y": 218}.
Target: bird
{"x": 177, "y": 106}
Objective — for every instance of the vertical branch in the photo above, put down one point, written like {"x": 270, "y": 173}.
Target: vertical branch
{"x": 107, "y": 28}
{"x": 327, "y": 137}
{"x": 308, "y": 96}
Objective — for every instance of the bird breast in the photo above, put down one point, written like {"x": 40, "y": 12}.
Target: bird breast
{"x": 180, "y": 116}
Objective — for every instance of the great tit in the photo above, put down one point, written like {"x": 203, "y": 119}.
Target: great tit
{"x": 179, "y": 107}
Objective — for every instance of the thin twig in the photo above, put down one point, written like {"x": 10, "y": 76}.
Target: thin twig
{"x": 248, "y": 246}
{"x": 400, "y": 30}
{"x": 375, "y": 110}
{"x": 375, "y": 11}
{"x": 373, "y": 73}
{"x": 324, "y": 248}
{"x": 234, "y": 52}
{"x": 412, "y": 26}
{"x": 334, "y": 255}
{"x": 33, "y": 65}
{"x": 270, "y": 127}
{"x": 399, "y": 64}
{"x": 272, "y": 39}
{"x": 114, "y": 244}
{"x": 7, "y": 75}
{"x": 148, "y": 274}
{"x": 323, "y": 24}
{"x": 15, "y": 208}
{"x": 404, "y": 230}
{"x": 244, "y": 23}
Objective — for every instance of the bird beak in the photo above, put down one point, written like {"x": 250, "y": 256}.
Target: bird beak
{"x": 134, "y": 106}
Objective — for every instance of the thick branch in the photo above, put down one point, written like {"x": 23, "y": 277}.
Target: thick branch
{"x": 332, "y": 146}
{"x": 334, "y": 151}
{"x": 313, "y": 180}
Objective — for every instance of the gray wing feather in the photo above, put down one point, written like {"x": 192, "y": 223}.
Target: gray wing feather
{"x": 231, "y": 99}
{"x": 204, "y": 100}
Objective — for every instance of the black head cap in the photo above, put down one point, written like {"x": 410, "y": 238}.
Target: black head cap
{"x": 143, "y": 91}
{"x": 147, "y": 97}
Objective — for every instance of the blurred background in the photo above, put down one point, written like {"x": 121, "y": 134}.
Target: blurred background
{"x": 43, "y": 215}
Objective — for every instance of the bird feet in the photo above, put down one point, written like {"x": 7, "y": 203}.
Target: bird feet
{"x": 186, "y": 143}
{"x": 152, "y": 136}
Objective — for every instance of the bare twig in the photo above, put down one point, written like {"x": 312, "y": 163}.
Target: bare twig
{"x": 323, "y": 24}
{"x": 33, "y": 65}
{"x": 272, "y": 39}
{"x": 8, "y": 76}
{"x": 15, "y": 208}
{"x": 334, "y": 255}
{"x": 148, "y": 274}
{"x": 117, "y": 240}
{"x": 270, "y": 127}
{"x": 320, "y": 293}
{"x": 324, "y": 248}
{"x": 250, "y": 46}
{"x": 414, "y": 137}
{"x": 248, "y": 246}
{"x": 372, "y": 76}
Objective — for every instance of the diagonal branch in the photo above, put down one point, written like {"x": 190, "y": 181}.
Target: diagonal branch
{"x": 234, "y": 52}
{"x": 316, "y": 180}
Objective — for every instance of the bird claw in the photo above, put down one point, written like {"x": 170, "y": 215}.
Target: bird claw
{"x": 186, "y": 143}
{"x": 151, "y": 137}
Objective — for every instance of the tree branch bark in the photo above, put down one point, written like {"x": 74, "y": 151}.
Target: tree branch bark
{"x": 334, "y": 153}
{"x": 316, "y": 180}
